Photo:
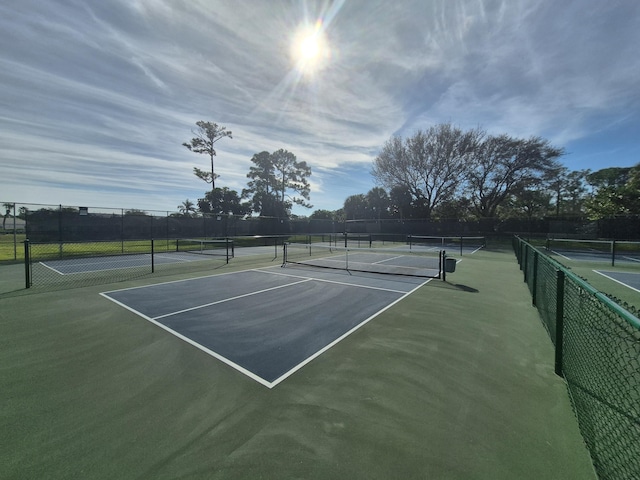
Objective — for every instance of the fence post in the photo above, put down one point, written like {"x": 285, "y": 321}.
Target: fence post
{"x": 559, "y": 321}
{"x": 27, "y": 264}
{"x": 534, "y": 281}
{"x": 15, "y": 234}
{"x": 613, "y": 253}
{"x": 122, "y": 229}
{"x": 443, "y": 261}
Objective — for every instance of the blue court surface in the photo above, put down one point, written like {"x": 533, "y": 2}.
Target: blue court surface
{"x": 630, "y": 280}
{"x": 266, "y": 323}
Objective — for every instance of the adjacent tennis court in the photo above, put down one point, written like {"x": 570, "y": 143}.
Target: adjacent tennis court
{"x": 609, "y": 251}
{"x": 266, "y": 323}
{"x": 628, "y": 279}
{"x": 71, "y": 266}
{"x": 73, "y": 263}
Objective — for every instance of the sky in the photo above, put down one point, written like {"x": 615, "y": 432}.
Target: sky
{"x": 98, "y": 96}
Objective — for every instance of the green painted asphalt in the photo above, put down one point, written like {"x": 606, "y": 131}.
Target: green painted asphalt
{"x": 454, "y": 382}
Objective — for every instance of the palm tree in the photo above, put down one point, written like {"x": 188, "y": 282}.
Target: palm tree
{"x": 187, "y": 207}
{"x": 8, "y": 207}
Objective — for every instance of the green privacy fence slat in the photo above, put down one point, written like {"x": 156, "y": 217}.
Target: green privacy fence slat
{"x": 597, "y": 346}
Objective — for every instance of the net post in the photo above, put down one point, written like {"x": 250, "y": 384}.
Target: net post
{"x": 409, "y": 240}
{"x": 284, "y": 254}
{"x": 559, "y": 322}
{"x": 441, "y": 260}
{"x": 27, "y": 264}
{"x": 461, "y": 240}
{"x": 153, "y": 263}
{"x": 613, "y": 253}
{"x": 226, "y": 244}
{"x": 346, "y": 256}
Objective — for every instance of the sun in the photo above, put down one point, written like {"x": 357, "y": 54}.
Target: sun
{"x": 310, "y": 49}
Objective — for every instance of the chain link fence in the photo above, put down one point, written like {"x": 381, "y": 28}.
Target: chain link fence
{"x": 75, "y": 264}
{"x": 86, "y": 263}
{"x": 597, "y": 344}
{"x": 60, "y": 223}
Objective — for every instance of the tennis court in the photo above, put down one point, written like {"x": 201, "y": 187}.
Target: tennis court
{"x": 266, "y": 323}
{"x": 77, "y": 263}
{"x": 72, "y": 266}
{"x": 595, "y": 256}
{"x": 454, "y": 380}
{"x": 628, "y": 279}
{"x": 623, "y": 252}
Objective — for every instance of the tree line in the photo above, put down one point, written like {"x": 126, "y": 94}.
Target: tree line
{"x": 445, "y": 172}
{"x": 437, "y": 173}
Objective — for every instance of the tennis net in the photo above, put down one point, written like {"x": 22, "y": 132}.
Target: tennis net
{"x": 427, "y": 264}
{"x": 357, "y": 239}
{"x": 451, "y": 243}
{"x": 221, "y": 247}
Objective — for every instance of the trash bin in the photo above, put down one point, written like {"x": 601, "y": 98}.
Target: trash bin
{"x": 449, "y": 265}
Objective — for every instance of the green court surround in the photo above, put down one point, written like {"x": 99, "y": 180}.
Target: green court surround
{"x": 454, "y": 382}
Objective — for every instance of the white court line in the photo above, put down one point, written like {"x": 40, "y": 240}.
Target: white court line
{"x": 285, "y": 375}
{"x": 51, "y": 268}
{"x": 78, "y": 263}
{"x": 561, "y": 255}
{"x": 617, "y": 281}
{"x": 234, "y": 365}
{"x": 225, "y": 360}
{"x": 176, "y": 260}
{"x": 632, "y": 259}
{"x": 180, "y": 281}
{"x": 230, "y": 299}
{"x": 106, "y": 260}
{"x": 357, "y": 285}
{"x": 388, "y": 259}
{"x": 148, "y": 265}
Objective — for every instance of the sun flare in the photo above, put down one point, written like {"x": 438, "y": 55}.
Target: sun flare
{"x": 310, "y": 49}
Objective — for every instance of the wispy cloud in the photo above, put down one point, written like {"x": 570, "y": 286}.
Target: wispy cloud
{"x": 99, "y": 96}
